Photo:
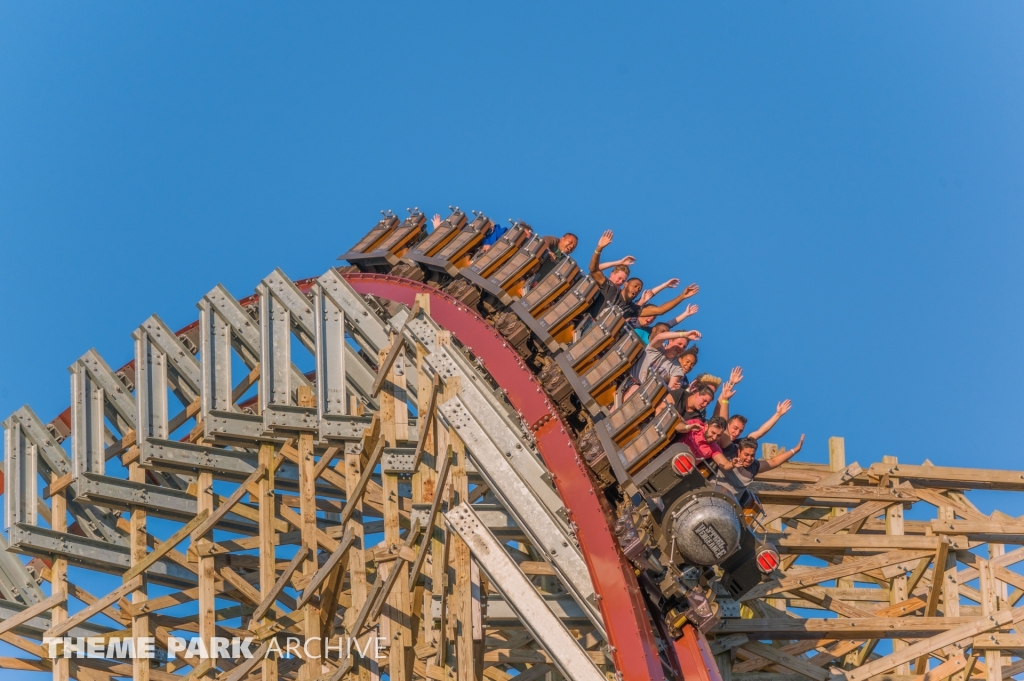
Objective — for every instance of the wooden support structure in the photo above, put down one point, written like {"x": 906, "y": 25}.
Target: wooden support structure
{"x": 317, "y": 517}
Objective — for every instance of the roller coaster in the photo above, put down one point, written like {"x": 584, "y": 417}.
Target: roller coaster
{"x": 424, "y": 446}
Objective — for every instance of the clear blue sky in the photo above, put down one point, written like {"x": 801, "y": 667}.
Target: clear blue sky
{"x": 843, "y": 180}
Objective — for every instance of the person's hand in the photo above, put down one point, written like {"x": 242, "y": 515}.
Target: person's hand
{"x": 783, "y": 407}
{"x": 644, "y": 297}
{"x": 690, "y": 335}
{"x": 437, "y": 220}
{"x": 736, "y": 375}
{"x": 689, "y": 311}
{"x": 690, "y": 290}
{"x": 728, "y": 390}
{"x": 672, "y": 283}
{"x": 605, "y": 239}
{"x": 628, "y": 260}
{"x": 688, "y": 427}
{"x": 799, "y": 445}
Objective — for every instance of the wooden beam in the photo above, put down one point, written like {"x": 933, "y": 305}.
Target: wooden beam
{"x": 818, "y": 575}
{"x": 364, "y": 479}
{"x": 843, "y": 628}
{"x": 301, "y": 555}
{"x": 956, "y": 478}
{"x": 788, "y": 661}
{"x": 327, "y": 568}
{"x": 39, "y": 608}
{"x": 965, "y": 631}
{"x": 153, "y": 556}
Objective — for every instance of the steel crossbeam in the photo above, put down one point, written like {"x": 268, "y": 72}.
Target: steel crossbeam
{"x": 522, "y": 596}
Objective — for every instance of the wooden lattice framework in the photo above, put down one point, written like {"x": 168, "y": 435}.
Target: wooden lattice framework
{"x": 941, "y": 589}
{"x": 328, "y": 521}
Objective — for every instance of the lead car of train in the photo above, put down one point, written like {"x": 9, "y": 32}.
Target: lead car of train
{"x": 680, "y": 530}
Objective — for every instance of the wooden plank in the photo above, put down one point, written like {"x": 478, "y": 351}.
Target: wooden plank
{"x": 435, "y": 506}
{"x": 798, "y": 543}
{"x": 44, "y": 606}
{"x": 268, "y": 600}
{"x": 965, "y": 631}
{"x": 268, "y": 555}
{"x": 230, "y": 502}
{"x": 956, "y": 478}
{"x": 833, "y": 494}
{"x": 998, "y": 641}
{"x": 988, "y": 530}
{"x": 946, "y": 669}
{"x": 165, "y": 547}
{"x": 207, "y": 567}
{"x": 357, "y": 557}
{"x": 364, "y": 479}
{"x": 843, "y": 628}
{"x": 814, "y": 576}
{"x": 310, "y": 536}
{"x": 426, "y": 422}
{"x": 137, "y": 553}
{"x": 327, "y": 568}
{"x": 788, "y": 661}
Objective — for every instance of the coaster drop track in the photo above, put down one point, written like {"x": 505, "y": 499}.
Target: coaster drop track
{"x": 557, "y": 380}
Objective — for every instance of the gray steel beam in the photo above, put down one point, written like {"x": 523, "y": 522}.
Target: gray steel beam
{"x": 555, "y": 544}
{"x": 21, "y": 475}
{"x": 161, "y": 502}
{"x": 91, "y": 554}
{"x": 552, "y": 635}
{"x": 284, "y": 310}
{"x": 96, "y": 393}
{"x": 95, "y": 522}
{"x": 15, "y": 579}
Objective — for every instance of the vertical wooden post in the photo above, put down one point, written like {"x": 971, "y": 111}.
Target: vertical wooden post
{"x": 898, "y": 584}
{"x": 989, "y": 605}
{"x": 59, "y": 579}
{"x": 268, "y": 567}
{"x": 424, "y": 479}
{"x": 207, "y": 574}
{"x": 137, "y": 542}
{"x": 357, "y": 555}
{"x": 394, "y": 414}
{"x": 313, "y": 666}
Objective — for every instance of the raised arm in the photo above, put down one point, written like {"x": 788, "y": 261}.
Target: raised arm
{"x": 722, "y": 406}
{"x": 780, "y": 411}
{"x": 628, "y": 260}
{"x": 782, "y": 457}
{"x": 671, "y": 283}
{"x": 688, "y": 312}
{"x": 669, "y": 335}
{"x": 655, "y": 310}
{"x": 595, "y": 259}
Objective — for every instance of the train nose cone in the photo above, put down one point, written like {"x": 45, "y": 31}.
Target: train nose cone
{"x": 706, "y": 530}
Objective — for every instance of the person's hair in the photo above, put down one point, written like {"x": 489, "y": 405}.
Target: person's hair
{"x": 621, "y": 268}
{"x": 702, "y": 389}
{"x": 718, "y": 421}
{"x": 691, "y": 350}
{"x": 636, "y": 279}
{"x": 658, "y": 328}
{"x": 737, "y": 417}
{"x": 747, "y": 443}
{"x": 572, "y": 235}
